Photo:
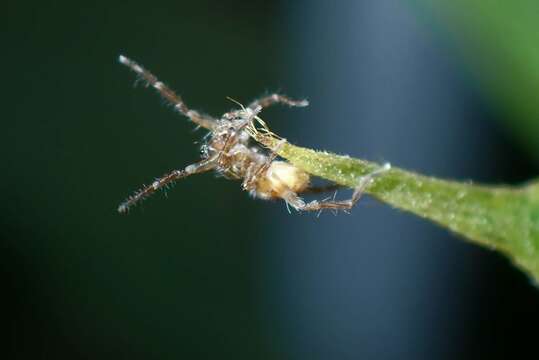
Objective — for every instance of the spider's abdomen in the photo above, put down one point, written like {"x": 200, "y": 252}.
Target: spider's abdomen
{"x": 282, "y": 177}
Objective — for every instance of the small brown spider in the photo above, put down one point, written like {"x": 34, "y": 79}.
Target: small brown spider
{"x": 229, "y": 152}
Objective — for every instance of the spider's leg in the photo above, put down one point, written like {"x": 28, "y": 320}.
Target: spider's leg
{"x": 294, "y": 200}
{"x": 164, "y": 181}
{"x": 168, "y": 94}
{"x": 272, "y": 99}
{"x": 321, "y": 189}
{"x": 252, "y": 176}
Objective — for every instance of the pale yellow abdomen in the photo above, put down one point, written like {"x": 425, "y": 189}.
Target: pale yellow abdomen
{"x": 282, "y": 177}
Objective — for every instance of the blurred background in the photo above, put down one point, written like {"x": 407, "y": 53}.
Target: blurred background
{"x": 445, "y": 88}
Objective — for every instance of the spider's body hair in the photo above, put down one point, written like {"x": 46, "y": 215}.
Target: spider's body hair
{"x": 239, "y": 158}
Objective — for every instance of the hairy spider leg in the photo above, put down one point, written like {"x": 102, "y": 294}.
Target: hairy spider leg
{"x": 272, "y": 99}
{"x": 297, "y": 202}
{"x": 321, "y": 189}
{"x": 168, "y": 94}
{"x": 165, "y": 180}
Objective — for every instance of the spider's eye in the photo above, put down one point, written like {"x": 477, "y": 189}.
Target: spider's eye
{"x": 204, "y": 151}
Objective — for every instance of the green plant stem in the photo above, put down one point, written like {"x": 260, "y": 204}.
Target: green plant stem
{"x": 500, "y": 217}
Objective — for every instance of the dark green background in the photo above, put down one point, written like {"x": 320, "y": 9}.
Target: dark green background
{"x": 176, "y": 276}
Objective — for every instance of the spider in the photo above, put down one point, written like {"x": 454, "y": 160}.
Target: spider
{"x": 228, "y": 151}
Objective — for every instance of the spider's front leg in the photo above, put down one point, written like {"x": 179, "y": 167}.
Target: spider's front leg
{"x": 297, "y": 202}
{"x": 169, "y": 95}
{"x": 273, "y": 99}
{"x": 165, "y": 180}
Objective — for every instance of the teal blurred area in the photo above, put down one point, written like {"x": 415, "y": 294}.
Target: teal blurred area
{"x": 206, "y": 272}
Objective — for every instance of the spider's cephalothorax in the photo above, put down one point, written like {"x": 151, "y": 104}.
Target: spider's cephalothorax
{"x": 230, "y": 152}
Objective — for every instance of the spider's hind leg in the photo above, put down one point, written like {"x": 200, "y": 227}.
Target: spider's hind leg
{"x": 321, "y": 189}
{"x": 294, "y": 200}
